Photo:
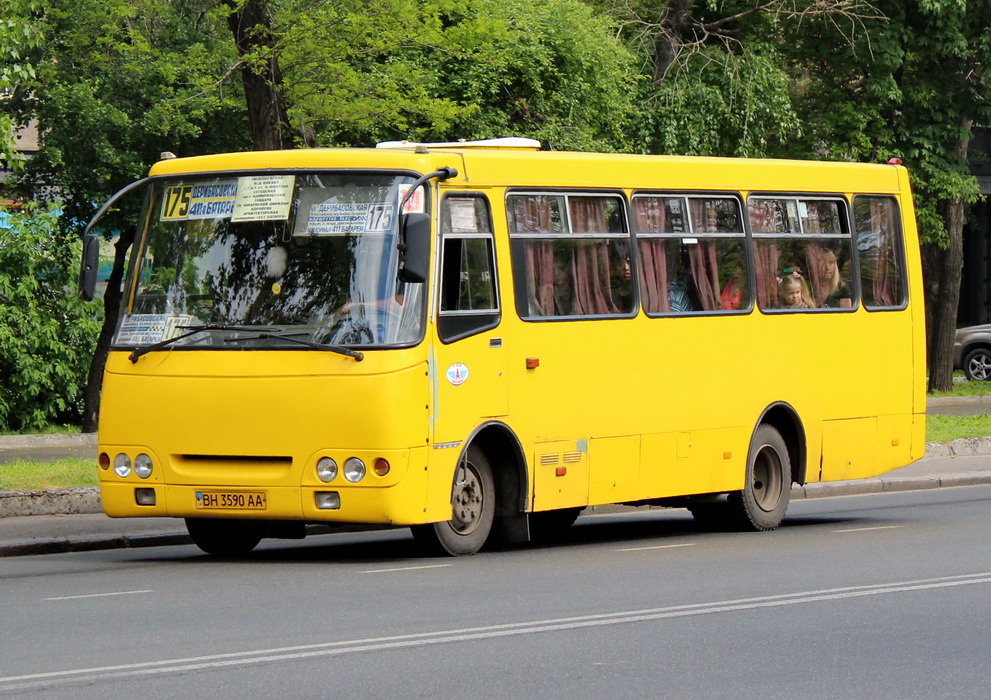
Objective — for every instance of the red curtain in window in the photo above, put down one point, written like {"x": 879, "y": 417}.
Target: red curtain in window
{"x": 886, "y": 270}
{"x": 705, "y": 272}
{"x": 650, "y": 216}
{"x": 592, "y": 269}
{"x": 534, "y": 215}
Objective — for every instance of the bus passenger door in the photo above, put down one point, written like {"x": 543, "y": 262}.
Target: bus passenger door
{"x": 467, "y": 364}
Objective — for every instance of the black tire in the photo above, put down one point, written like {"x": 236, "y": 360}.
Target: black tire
{"x": 225, "y": 538}
{"x": 977, "y": 365}
{"x": 551, "y": 525}
{"x": 762, "y": 503}
{"x": 473, "y": 501}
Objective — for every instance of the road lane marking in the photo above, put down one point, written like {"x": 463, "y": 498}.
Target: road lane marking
{"x": 658, "y": 546}
{"x": 865, "y": 529}
{"x": 404, "y": 568}
{"x": 425, "y": 639}
{"x": 98, "y": 595}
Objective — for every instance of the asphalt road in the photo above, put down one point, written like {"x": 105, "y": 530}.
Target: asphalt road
{"x": 875, "y": 596}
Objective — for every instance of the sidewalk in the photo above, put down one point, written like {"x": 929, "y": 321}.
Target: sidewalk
{"x": 71, "y": 520}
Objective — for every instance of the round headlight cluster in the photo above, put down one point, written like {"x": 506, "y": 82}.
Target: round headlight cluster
{"x": 354, "y": 469}
{"x": 142, "y": 466}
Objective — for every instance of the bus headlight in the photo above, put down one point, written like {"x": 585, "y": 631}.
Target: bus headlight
{"x": 122, "y": 465}
{"x": 326, "y": 469}
{"x": 143, "y": 466}
{"x": 354, "y": 470}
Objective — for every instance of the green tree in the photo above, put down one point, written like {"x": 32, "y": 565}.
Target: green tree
{"x": 46, "y": 334}
{"x": 116, "y": 83}
{"x": 716, "y": 81}
{"x": 913, "y": 91}
{"x": 20, "y": 38}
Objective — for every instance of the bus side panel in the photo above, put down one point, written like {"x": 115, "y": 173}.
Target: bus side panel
{"x": 615, "y": 473}
{"x": 560, "y": 474}
{"x": 849, "y": 449}
{"x": 700, "y": 461}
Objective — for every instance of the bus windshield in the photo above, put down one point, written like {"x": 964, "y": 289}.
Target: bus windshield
{"x": 257, "y": 261}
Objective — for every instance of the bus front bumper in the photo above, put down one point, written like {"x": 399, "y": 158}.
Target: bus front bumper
{"x": 401, "y": 504}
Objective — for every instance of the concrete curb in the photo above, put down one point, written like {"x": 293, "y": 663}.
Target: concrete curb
{"x": 50, "y": 502}
{"x": 91, "y": 543}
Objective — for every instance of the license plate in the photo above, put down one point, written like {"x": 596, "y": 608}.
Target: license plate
{"x": 231, "y": 500}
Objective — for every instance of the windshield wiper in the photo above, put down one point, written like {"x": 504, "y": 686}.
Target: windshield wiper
{"x": 358, "y": 356}
{"x": 191, "y": 330}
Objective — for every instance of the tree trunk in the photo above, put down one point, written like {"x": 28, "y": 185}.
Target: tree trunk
{"x": 267, "y": 115}
{"x": 943, "y": 310}
{"x": 673, "y": 23}
{"x": 111, "y": 311}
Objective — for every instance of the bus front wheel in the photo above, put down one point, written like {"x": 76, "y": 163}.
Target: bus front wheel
{"x": 473, "y": 501}
{"x": 225, "y": 538}
{"x": 762, "y": 503}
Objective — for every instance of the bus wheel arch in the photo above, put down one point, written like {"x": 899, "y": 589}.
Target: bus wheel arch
{"x": 487, "y": 482}
{"x": 784, "y": 418}
{"x": 775, "y": 460}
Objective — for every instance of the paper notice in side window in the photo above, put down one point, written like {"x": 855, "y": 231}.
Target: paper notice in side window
{"x": 263, "y": 198}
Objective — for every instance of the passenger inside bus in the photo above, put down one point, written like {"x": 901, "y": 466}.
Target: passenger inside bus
{"x": 833, "y": 292}
{"x": 792, "y": 291}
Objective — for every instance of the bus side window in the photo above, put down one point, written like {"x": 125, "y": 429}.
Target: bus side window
{"x": 571, "y": 255}
{"x": 692, "y": 253}
{"x": 879, "y": 247}
{"x": 802, "y": 252}
{"x": 468, "y": 291}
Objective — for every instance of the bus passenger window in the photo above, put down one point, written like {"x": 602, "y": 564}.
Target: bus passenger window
{"x": 801, "y": 244}
{"x": 571, "y": 255}
{"x": 692, "y": 253}
{"x": 879, "y": 247}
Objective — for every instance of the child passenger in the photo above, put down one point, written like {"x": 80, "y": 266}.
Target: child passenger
{"x": 791, "y": 290}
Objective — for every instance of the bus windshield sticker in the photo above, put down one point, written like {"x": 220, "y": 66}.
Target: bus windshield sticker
{"x": 263, "y": 198}
{"x": 146, "y": 329}
{"x": 414, "y": 205}
{"x": 344, "y": 218}
{"x": 205, "y": 200}
{"x": 457, "y": 373}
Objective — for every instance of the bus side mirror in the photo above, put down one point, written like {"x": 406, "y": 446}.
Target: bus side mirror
{"x": 415, "y": 263}
{"x": 89, "y": 267}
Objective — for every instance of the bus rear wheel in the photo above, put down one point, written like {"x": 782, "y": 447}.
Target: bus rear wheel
{"x": 473, "y": 501}
{"x": 225, "y": 538}
{"x": 762, "y": 503}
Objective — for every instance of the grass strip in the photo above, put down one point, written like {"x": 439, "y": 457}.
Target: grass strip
{"x": 31, "y": 475}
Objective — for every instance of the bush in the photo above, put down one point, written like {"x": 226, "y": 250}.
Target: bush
{"x": 47, "y": 335}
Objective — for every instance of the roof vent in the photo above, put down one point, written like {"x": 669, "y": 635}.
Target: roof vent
{"x": 511, "y": 142}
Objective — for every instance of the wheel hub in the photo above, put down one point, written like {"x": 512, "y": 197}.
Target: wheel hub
{"x": 467, "y": 500}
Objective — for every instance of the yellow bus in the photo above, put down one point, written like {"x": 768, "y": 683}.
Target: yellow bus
{"x": 480, "y": 339}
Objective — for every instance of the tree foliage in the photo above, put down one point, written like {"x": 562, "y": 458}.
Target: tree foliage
{"x": 361, "y": 72}
{"x": 20, "y": 39}
{"x": 115, "y": 82}
{"x": 46, "y": 334}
